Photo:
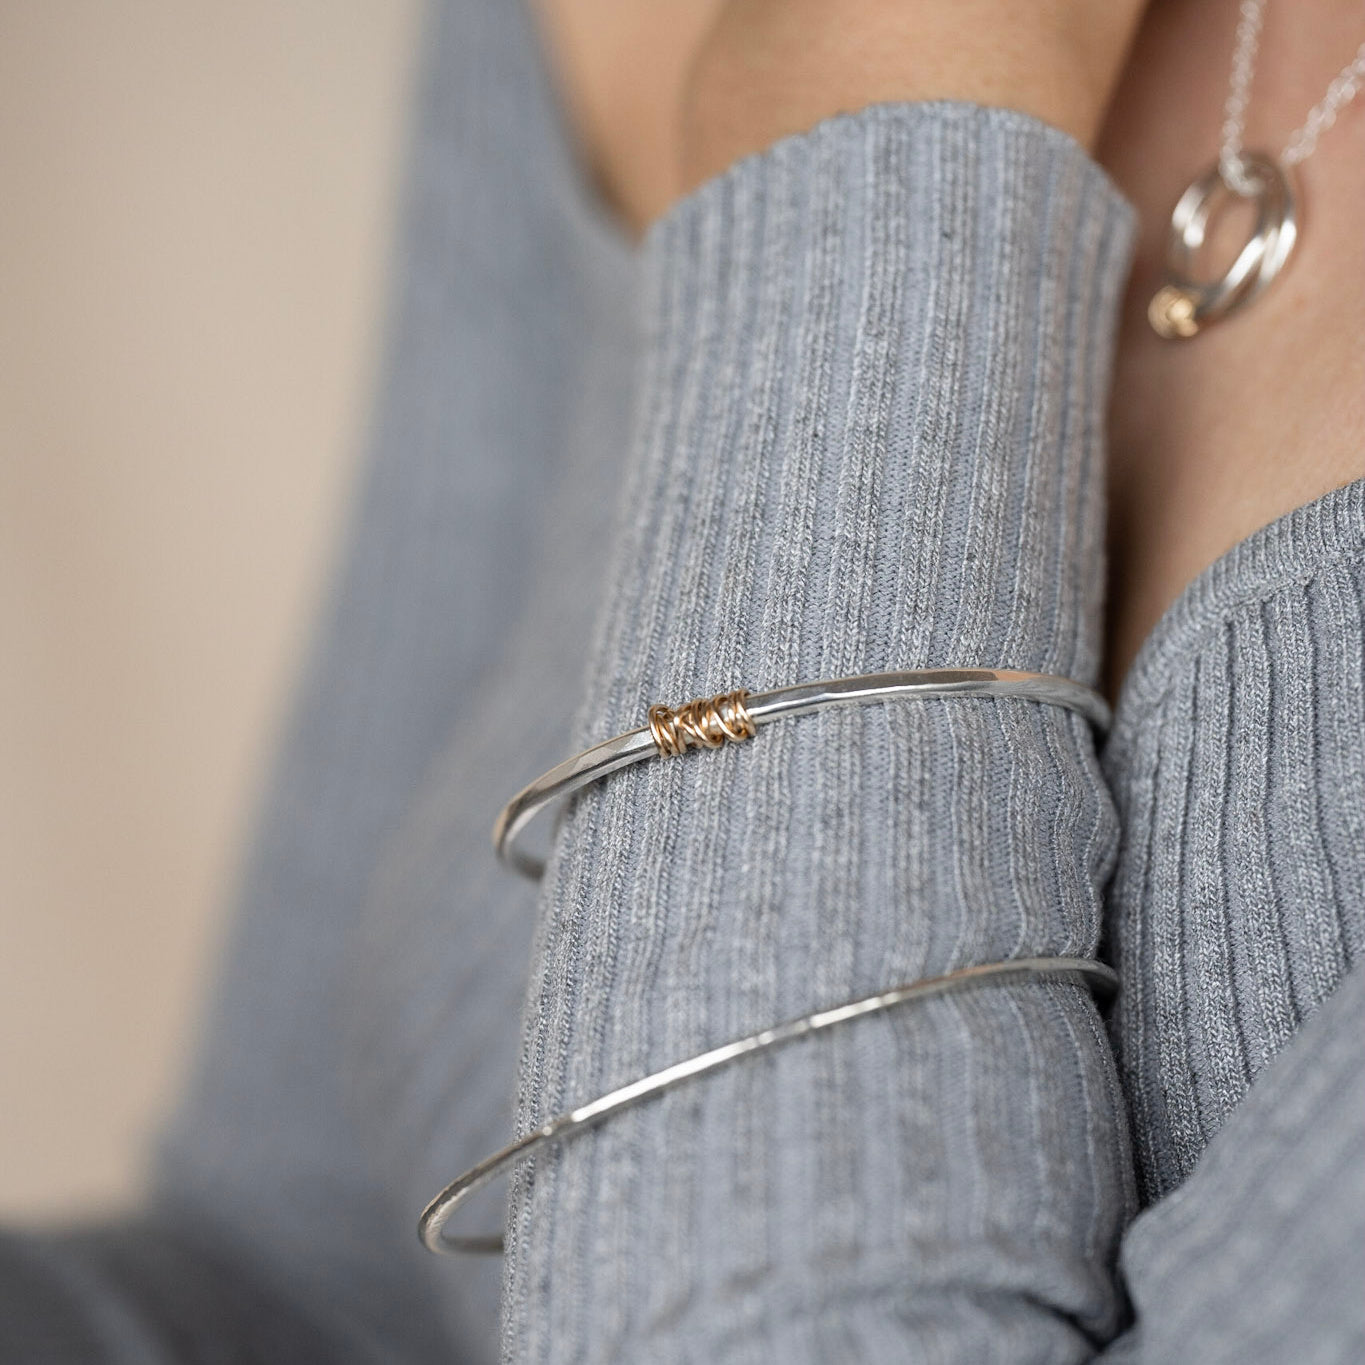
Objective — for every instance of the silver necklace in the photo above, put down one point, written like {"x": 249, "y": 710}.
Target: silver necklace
{"x": 1184, "y": 305}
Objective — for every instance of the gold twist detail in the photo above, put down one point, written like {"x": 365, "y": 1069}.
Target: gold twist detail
{"x": 1171, "y": 312}
{"x": 705, "y": 723}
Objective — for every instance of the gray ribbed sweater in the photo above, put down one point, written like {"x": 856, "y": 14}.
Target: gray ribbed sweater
{"x": 843, "y": 412}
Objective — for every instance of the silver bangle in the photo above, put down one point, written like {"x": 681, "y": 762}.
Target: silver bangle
{"x": 709, "y": 722}
{"x": 430, "y": 1227}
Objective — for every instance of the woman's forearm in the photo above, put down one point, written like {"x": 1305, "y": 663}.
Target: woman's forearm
{"x": 772, "y": 67}
{"x": 869, "y": 437}
{"x": 663, "y": 96}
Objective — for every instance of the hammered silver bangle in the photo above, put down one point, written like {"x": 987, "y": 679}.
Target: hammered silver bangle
{"x": 731, "y": 717}
{"x": 431, "y": 1227}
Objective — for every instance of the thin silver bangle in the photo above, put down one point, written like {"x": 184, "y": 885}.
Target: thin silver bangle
{"x": 430, "y": 1227}
{"x": 734, "y": 716}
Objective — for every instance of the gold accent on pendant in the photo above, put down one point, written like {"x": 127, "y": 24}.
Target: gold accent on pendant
{"x": 1171, "y": 312}
{"x": 1185, "y": 304}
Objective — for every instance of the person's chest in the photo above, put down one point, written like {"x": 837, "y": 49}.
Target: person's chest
{"x": 1214, "y": 436}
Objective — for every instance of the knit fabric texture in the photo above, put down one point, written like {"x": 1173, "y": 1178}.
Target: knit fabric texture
{"x": 842, "y": 411}
{"x": 868, "y": 437}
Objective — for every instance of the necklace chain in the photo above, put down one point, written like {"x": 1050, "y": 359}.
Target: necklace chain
{"x": 1321, "y": 116}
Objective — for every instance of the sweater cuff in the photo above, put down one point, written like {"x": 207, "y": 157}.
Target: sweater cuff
{"x": 870, "y": 432}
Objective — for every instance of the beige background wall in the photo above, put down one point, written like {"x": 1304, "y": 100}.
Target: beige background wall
{"x": 196, "y": 202}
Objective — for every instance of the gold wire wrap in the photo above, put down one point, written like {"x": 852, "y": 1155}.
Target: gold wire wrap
{"x": 736, "y": 715}
{"x": 704, "y": 723}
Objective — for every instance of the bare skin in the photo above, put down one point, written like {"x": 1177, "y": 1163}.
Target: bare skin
{"x": 1213, "y": 437}
{"x": 621, "y": 66}
{"x": 1210, "y": 438}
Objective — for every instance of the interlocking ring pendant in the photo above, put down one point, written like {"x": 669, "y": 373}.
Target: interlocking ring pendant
{"x": 1183, "y": 305}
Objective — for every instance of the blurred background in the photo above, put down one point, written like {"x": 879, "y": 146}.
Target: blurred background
{"x": 197, "y": 202}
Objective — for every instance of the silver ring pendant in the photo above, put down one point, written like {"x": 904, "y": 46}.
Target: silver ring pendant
{"x": 1184, "y": 306}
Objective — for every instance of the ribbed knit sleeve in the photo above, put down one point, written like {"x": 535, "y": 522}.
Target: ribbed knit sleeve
{"x": 868, "y": 436}
{"x": 1237, "y": 764}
